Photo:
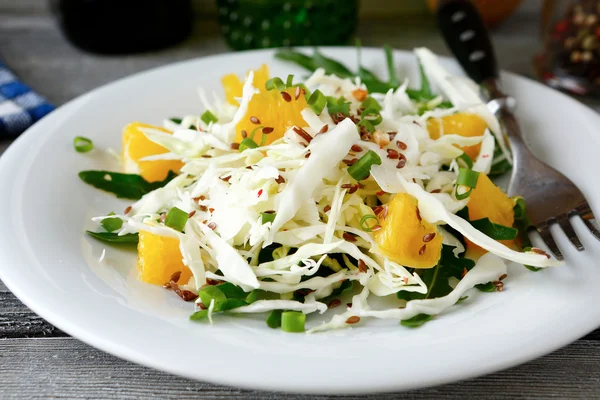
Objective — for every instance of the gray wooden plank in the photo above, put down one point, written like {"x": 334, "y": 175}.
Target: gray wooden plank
{"x": 66, "y": 368}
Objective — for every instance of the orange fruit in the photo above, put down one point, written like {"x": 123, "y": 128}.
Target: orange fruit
{"x": 405, "y": 237}
{"x": 488, "y": 201}
{"x": 233, "y": 85}
{"x": 462, "y": 124}
{"x": 159, "y": 258}
{"x": 137, "y": 146}
{"x": 493, "y": 12}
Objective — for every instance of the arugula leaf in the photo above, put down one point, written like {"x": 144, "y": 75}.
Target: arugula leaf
{"x": 124, "y": 186}
{"x": 330, "y": 65}
{"x": 221, "y": 301}
{"x": 495, "y": 231}
{"x": 436, "y": 278}
{"x": 416, "y": 321}
{"x": 296, "y": 57}
{"x": 231, "y": 291}
{"x": 110, "y": 237}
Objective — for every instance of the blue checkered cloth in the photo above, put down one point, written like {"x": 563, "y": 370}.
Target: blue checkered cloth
{"x": 19, "y": 105}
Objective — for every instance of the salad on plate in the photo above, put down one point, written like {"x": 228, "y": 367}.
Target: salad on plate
{"x": 295, "y": 196}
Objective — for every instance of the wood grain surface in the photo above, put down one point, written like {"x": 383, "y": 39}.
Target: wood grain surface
{"x": 38, "y": 360}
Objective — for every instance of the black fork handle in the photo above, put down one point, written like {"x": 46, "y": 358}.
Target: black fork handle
{"x": 467, "y": 37}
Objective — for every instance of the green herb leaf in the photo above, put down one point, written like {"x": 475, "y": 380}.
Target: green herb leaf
{"x": 112, "y": 224}
{"x": 495, "y": 231}
{"x": 125, "y": 186}
{"x": 110, "y": 237}
{"x": 82, "y": 144}
{"x": 199, "y": 315}
{"x": 209, "y": 293}
{"x": 416, "y": 321}
{"x": 486, "y": 287}
{"x": 274, "y": 319}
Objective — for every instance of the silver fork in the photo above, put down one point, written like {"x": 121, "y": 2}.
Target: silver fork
{"x": 549, "y": 195}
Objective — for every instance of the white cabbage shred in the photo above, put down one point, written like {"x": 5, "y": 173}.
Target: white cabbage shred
{"x": 317, "y": 239}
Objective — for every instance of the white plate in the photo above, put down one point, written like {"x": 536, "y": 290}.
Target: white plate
{"x": 48, "y": 262}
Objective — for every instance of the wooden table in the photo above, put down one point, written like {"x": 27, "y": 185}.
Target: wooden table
{"x": 39, "y": 361}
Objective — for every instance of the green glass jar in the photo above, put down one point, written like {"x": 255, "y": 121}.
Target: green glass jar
{"x": 252, "y": 24}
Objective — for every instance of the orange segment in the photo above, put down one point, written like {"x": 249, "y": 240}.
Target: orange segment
{"x": 137, "y": 146}
{"x": 233, "y": 85}
{"x": 405, "y": 237}
{"x": 468, "y": 125}
{"x": 488, "y": 201}
{"x": 272, "y": 111}
{"x": 159, "y": 258}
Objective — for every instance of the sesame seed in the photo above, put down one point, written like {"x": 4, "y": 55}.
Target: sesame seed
{"x": 428, "y": 237}
{"x": 422, "y": 249}
{"x": 303, "y": 134}
{"x": 324, "y": 129}
{"x": 356, "y": 148}
{"x": 327, "y": 208}
{"x": 235, "y": 146}
{"x": 267, "y": 130}
{"x": 286, "y": 96}
{"x": 334, "y": 303}
{"x": 349, "y": 237}
{"x": 362, "y": 266}
{"x": 212, "y": 226}
{"x": 192, "y": 213}
{"x": 392, "y": 154}
{"x": 244, "y": 134}
{"x": 353, "y": 320}
{"x": 401, "y": 145}
{"x": 254, "y": 120}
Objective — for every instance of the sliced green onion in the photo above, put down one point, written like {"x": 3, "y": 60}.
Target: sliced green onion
{"x": 370, "y": 103}
{"x": 466, "y": 177}
{"x": 416, "y": 321}
{"x": 274, "y": 319}
{"x": 292, "y": 321}
{"x": 275, "y": 83}
{"x": 466, "y": 160}
{"x": 82, "y": 144}
{"x": 367, "y": 124}
{"x": 317, "y": 101}
{"x": 372, "y": 115}
{"x": 267, "y": 217}
{"x": 335, "y": 106}
{"x": 289, "y": 82}
{"x": 362, "y": 168}
{"x": 247, "y": 143}
{"x": 363, "y": 222}
{"x": 176, "y": 219}
{"x": 208, "y": 117}
{"x": 112, "y": 224}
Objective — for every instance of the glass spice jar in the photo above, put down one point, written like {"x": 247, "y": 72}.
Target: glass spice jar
{"x": 570, "y": 59}
{"x": 252, "y": 24}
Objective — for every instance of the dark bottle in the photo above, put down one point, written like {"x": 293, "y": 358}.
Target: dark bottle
{"x": 124, "y": 26}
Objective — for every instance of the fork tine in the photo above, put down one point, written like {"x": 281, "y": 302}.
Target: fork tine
{"x": 566, "y": 226}
{"x": 586, "y": 214}
{"x": 544, "y": 231}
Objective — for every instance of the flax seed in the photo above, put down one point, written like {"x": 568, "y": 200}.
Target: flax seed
{"x": 362, "y": 266}
{"x": 349, "y": 237}
{"x": 353, "y": 320}
{"x": 422, "y": 249}
{"x": 254, "y": 120}
{"x": 428, "y": 237}
{"x": 392, "y": 154}
{"x": 401, "y": 145}
{"x": 286, "y": 96}
{"x": 212, "y": 226}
